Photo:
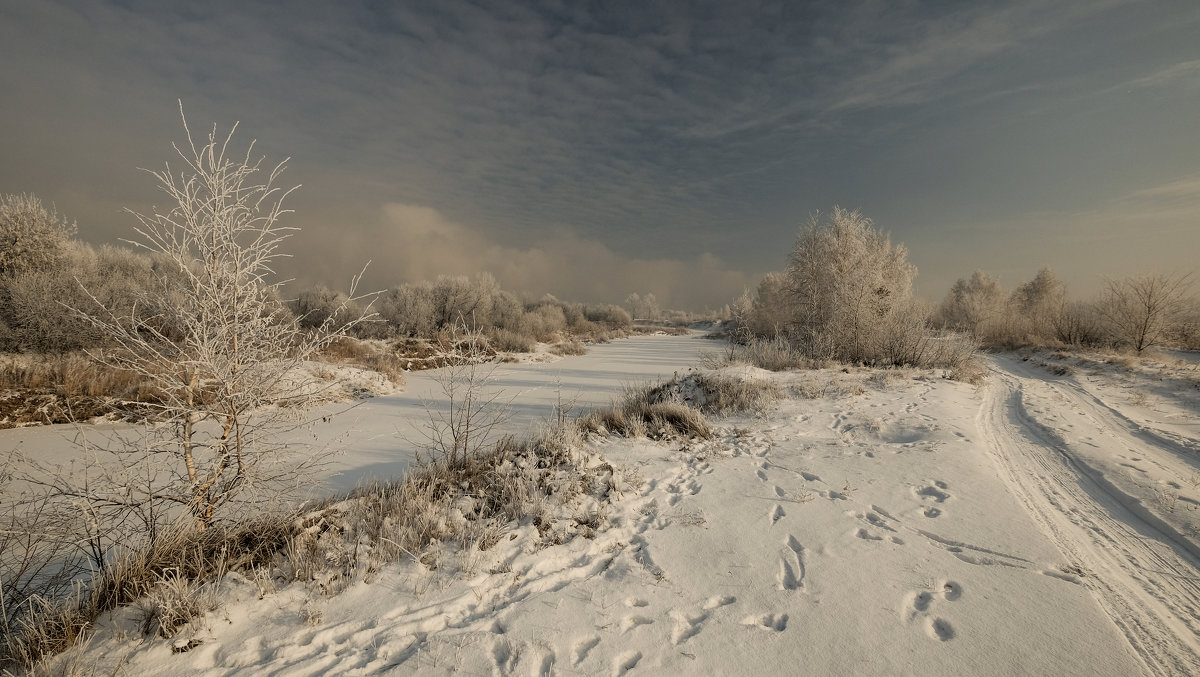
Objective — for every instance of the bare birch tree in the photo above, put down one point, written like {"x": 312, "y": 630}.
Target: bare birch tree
{"x": 216, "y": 342}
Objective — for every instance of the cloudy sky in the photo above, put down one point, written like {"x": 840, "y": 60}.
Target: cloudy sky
{"x": 591, "y": 150}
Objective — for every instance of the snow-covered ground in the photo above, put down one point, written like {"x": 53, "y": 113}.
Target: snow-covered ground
{"x": 868, "y": 524}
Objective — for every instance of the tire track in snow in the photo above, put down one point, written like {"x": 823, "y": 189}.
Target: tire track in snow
{"x": 1150, "y": 591}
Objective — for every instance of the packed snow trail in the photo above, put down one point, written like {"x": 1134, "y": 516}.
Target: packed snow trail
{"x": 1141, "y": 573}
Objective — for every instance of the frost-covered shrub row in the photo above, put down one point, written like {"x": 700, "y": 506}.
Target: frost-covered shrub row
{"x": 846, "y": 295}
{"x": 426, "y": 308}
{"x": 1130, "y": 313}
{"x": 46, "y": 277}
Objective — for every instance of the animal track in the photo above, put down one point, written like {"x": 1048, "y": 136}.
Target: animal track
{"x": 582, "y": 647}
{"x": 504, "y": 656}
{"x": 715, "y": 602}
{"x": 625, "y": 662}
{"x": 791, "y": 576}
{"x": 935, "y": 492}
{"x": 630, "y": 622}
{"x": 922, "y": 602}
{"x": 776, "y": 622}
{"x": 686, "y": 626}
{"x": 940, "y": 629}
{"x": 951, "y": 591}
{"x": 867, "y": 536}
{"x": 776, "y": 513}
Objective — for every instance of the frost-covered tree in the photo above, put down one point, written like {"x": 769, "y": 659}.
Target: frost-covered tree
{"x": 975, "y": 304}
{"x": 219, "y": 346}
{"x": 1040, "y": 302}
{"x": 770, "y": 311}
{"x": 1140, "y": 310}
{"x": 32, "y": 237}
{"x": 643, "y": 307}
{"x": 846, "y": 281}
{"x": 459, "y": 299}
{"x": 409, "y": 309}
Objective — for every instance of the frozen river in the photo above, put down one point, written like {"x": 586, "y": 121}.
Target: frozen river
{"x": 374, "y": 439}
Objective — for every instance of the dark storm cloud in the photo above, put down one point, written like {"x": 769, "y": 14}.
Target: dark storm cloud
{"x": 684, "y": 139}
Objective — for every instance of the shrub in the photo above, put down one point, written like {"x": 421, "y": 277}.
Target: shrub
{"x": 43, "y": 307}
{"x": 510, "y": 341}
{"x": 1140, "y": 311}
{"x": 648, "y": 411}
{"x": 846, "y": 281}
{"x": 32, "y": 237}
{"x": 544, "y": 322}
{"x": 976, "y": 305}
{"x": 614, "y": 317}
{"x": 773, "y": 354}
{"x": 572, "y": 347}
{"x": 716, "y": 393}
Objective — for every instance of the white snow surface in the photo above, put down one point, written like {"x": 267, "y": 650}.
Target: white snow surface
{"x": 376, "y": 438}
{"x": 892, "y": 525}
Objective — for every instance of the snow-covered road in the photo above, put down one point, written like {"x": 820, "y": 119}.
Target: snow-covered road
{"x": 1068, "y": 474}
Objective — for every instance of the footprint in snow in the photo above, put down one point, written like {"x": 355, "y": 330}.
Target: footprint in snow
{"x": 625, "y": 662}
{"x": 582, "y": 648}
{"x": 686, "y": 626}
{"x": 923, "y": 602}
{"x": 776, "y": 513}
{"x": 867, "y": 536}
{"x": 630, "y": 622}
{"x": 776, "y": 622}
{"x": 934, "y": 491}
{"x": 719, "y": 601}
{"x": 940, "y": 629}
{"x": 791, "y": 566}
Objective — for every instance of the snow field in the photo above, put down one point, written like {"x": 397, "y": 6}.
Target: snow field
{"x": 901, "y": 524}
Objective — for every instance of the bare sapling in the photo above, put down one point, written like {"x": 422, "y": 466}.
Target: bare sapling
{"x": 473, "y": 410}
{"x": 215, "y": 342}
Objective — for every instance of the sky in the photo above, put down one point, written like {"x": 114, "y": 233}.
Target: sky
{"x": 593, "y": 150}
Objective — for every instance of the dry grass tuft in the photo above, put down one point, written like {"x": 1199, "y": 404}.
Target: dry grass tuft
{"x": 372, "y": 355}
{"x": 504, "y": 340}
{"x": 171, "y": 579}
{"x": 46, "y": 389}
{"x": 572, "y": 347}
{"x": 648, "y": 411}
{"x": 774, "y": 354}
